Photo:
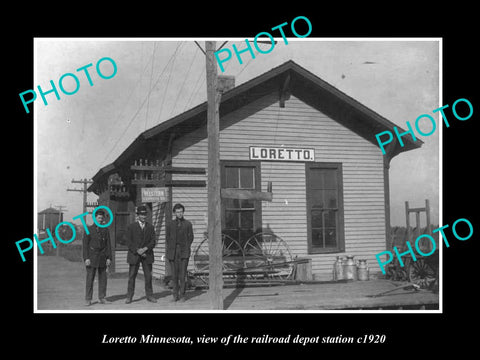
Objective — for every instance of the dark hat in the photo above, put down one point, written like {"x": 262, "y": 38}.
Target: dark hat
{"x": 142, "y": 210}
{"x": 99, "y": 212}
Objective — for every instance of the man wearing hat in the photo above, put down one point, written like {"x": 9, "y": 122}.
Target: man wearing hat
{"x": 179, "y": 241}
{"x": 97, "y": 254}
{"x": 140, "y": 240}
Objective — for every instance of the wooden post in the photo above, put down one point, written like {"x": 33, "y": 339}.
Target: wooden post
{"x": 169, "y": 204}
{"x": 386, "y": 186}
{"x": 407, "y": 215}
{"x": 429, "y": 229}
{"x": 427, "y": 214}
{"x": 215, "y": 282}
{"x": 59, "y": 207}
{"x": 85, "y": 183}
{"x": 418, "y": 231}
{"x": 85, "y": 186}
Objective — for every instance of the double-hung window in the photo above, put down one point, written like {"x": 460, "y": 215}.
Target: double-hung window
{"x": 324, "y": 190}
{"x": 241, "y": 218}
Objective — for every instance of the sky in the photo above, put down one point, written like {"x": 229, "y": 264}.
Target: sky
{"x": 159, "y": 78}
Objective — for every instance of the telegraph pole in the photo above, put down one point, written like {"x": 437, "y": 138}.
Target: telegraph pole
{"x": 59, "y": 208}
{"x": 215, "y": 283}
{"x": 85, "y": 182}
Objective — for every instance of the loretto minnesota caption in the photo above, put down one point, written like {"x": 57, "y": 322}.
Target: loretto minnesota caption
{"x": 239, "y": 339}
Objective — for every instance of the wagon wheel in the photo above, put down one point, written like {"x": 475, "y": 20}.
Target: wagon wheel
{"x": 395, "y": 272}
{"x": 422, "y": 274}
{"x": 265, "y": 249}
{"x": 232, "y": 256}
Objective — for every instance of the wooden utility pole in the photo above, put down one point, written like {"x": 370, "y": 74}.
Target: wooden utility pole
{"x": 215, "y": 283}
{"x": 59, "y": 208}
{"x": 85, "y": 182}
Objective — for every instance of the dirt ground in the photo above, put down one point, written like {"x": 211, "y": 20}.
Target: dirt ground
{"x": 61, "y": 286}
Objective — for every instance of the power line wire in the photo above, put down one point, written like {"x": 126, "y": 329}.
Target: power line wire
{"x": 141, "y": 105}
{"x": 195, "y": 90}
{"x": 221, "y": 46}
{"x": 248, "y": 62}
{"x": 184, "y": 81}
{"x": 150, "y": 84}
{"x": 126, "y": 102}
{"x": 197, "y": 87}
{"x": 168, "y": 82}
{"x": 196, "y": 42}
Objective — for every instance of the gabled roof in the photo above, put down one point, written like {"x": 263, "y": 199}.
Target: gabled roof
{"x": 289, "y": 76}
{"x": 49, "y": 210}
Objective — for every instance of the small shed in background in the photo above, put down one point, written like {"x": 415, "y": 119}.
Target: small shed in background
{"x": 49, "y": 219}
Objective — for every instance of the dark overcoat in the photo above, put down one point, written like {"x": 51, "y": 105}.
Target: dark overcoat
{"x": 179, "y": 232}
{"x": 136, "y": 238}
{"x": 96, "y": 246}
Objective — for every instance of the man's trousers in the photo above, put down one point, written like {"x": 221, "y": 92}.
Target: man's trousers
{"x": 102, "y": 282}
{"x": 179, "y": 274}
{"x": 132, "y": 275}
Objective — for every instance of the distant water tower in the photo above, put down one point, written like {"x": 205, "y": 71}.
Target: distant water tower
{"x": 49, "y": 218}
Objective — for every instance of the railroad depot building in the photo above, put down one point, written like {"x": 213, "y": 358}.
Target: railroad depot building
{"x": 304, "y": 151}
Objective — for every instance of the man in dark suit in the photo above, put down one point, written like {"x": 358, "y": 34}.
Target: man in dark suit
{"x": 97, "y": 254}
{"x": 179, "y": 241}
{"x": 140, "y": 240}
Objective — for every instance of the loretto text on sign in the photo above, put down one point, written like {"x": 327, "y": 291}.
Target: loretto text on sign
{"x": 281, "y": 154}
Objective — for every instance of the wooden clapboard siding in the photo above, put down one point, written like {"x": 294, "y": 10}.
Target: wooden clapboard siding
{"x": 121, "y": 261}
{"x": 158, "y": 220}
{"x": 286, "y": 214}
{"x": 264, "y": 123}
{"x": 158, "y": 269}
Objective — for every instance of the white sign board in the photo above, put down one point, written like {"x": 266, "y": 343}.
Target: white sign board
{"x": 281, "y": 153}
{"x": 154, "y": 195}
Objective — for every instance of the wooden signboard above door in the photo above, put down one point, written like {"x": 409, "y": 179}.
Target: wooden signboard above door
{"x": 248, "y": 194}
{"x": 154, "y": 195}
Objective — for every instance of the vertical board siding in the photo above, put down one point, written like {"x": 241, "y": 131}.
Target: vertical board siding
{"x": 158, "y": 220}
{"x": 264, "y": 123}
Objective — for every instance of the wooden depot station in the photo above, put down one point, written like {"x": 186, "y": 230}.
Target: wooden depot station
{"x": 302, "y": 176}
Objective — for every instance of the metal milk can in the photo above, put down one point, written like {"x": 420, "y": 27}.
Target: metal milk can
{"x": 350, "y": 269}
{"x": 362, "y": 270}
{"x": 338, "y": 269}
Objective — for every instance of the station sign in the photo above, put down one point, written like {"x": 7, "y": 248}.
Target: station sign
{"x": 281, "y": 153}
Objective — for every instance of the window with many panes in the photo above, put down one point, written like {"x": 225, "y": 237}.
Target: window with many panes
{"x": 324, "y": 190}
{"x": 240, "y": 218}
